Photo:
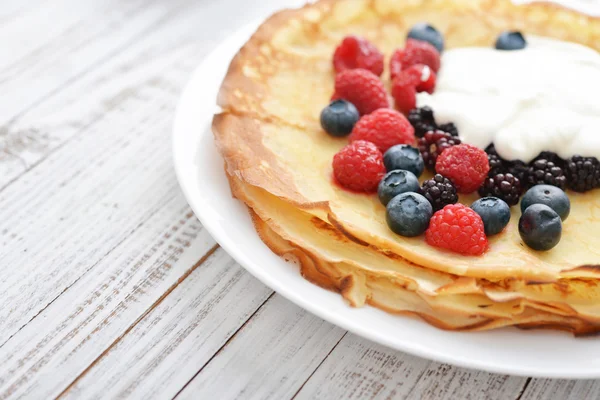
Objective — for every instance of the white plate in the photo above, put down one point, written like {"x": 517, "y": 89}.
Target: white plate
{"x": 200, "y": 172}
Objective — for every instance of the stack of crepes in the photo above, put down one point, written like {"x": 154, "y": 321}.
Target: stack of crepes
{"x": 278, "y": 162}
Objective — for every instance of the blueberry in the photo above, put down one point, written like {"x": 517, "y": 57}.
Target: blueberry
{"x": 408, "y": 214}
{"x": 403, "y": 156}
{"x": 510, "y": 40}
{"x": 427, "y": 33}
{"x": 540, "y": 227}
{"x": 494, "y": 212}
{"x": 395, "y": 183}
{"x": 339, "y": 117}
{"x": 549, "y": 195}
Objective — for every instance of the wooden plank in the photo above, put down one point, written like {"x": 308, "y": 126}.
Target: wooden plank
{"x": 270, "y": 358}
{"x": 97, "y": 309}
{"x": 55, "y": 41}
{"x": 360, "y": 369}
{"x": 561, "y": 389}
{"x": 164, "y": 351}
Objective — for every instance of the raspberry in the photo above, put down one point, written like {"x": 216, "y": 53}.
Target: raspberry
{"x": 359, "y": 166}
{"x": 503, "y": 186}
{"x": 583, "y": 173}
{"x": 432, "y": 144}
{"x": 404, "y": 92}
{"x": 361, "y": 88}
{"x": 439, "y": 191}
{"x": 356, "y": 52}
{"x": 457, "y": 228}
{"x": 414, "y": 52}
{"x": 465, "y": 165}
{"x": 384, "y": 128}
{"x": 424, "y": 78}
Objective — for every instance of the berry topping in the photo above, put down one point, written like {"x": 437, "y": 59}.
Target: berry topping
{"x": 355, "y": 52}
{"x": 359, "y": 166}
{"x": 465, "y": 165}
{"x": 510, "y": 41}
{"x": 403, "y": 156}
{"x": 432, "y": 144}
{"x": 361, "y": 88}
{"x": 540, "y": 227}
{"x": 504, "y": 186}
{"x": 439, "y": 191}
{"x": 542, "y": 171}
{"x": 339, "y": 117}
{"x": 497, "y": 165}
{"x": 459, "y": 229}
{"x": 583, "y": 173}
{"x": 449, "y": 128}
{"x": 385, "y": 128}
{"x": 422, "y": 76}
{"x": 427, "y": 33}
{"x": 422, "y": 120}
{"x": 408, "y": 214}
{"x": 404, "y": 92}
{"x": 395, "y": 183}
{"x": 494, "y": 213}
{"x": 414, "y": 52}
{"x": 550, "y": 196}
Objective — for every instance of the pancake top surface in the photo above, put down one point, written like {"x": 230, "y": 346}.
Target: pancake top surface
{"x": 270, "y": 137}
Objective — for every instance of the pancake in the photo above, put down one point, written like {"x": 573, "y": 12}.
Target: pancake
{"x": 278, "y": 160}
{"x": 367, "y": 276}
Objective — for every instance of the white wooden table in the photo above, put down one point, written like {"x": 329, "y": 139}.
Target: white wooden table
{"x": 109, "y": 286}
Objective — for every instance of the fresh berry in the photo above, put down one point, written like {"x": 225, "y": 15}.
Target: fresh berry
{"x": 404, "y": 156}
{"x": 414, "y": 52}
{"x": 550, "y": 156}
{"x": 449, "y": 128}
{"x": 361, "y": 88}
{"x": 355, "y": 52}
{"x": 422, "y": 120}
{"x": 404, "y": 92}
{"x": 542, "y": 171}
{"x": 385, "y": 128}
{"x": 512, "y": 40}
{"x": 427, "y": 33}
{"x": 583, "y": 173}
{"x": 439, "y": 191}
{"x": 504, "y": 186}
{"x": 422, "y": 76}
{"x": 494, "y": 213}
{"x": 408, "y": 214}
{"x": 548, "y": 195}
{"x": 395, "y": 183}
{"x": 339, "y": 117}
{"x": 459, "y": 229}
{"x": 432, "y": 144}
{"x": 465, "y": 165}
{"x": 540, "y": 227}
{"x": 497, "y": 165}
{"x": 359, "y": 166}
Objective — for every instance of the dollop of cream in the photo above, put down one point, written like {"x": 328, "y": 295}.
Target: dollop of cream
{"x": 542, "y": 98}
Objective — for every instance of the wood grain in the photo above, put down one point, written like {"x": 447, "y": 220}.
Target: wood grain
{"x": 270, "y": 358}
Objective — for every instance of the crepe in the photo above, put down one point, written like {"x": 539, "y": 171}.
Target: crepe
{"x": 275, "y": 152}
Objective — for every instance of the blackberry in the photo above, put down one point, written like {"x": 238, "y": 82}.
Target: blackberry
{"x": 439, "y": 191}
{"x": 550, "y": 156}
{"x": 422, "y": 120}
{"x": 518, "y": 169}
{"x": 583, "y": 173}
{"x": 542, "y": 171}
{"x": 432, "y": 144}
{"x": 449, "y": 128}
{"x": 503, "y": 186}
{"x": 497, "y": 164}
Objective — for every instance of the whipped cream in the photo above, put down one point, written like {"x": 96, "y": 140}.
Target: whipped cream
{"x": 541, "y": 98}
